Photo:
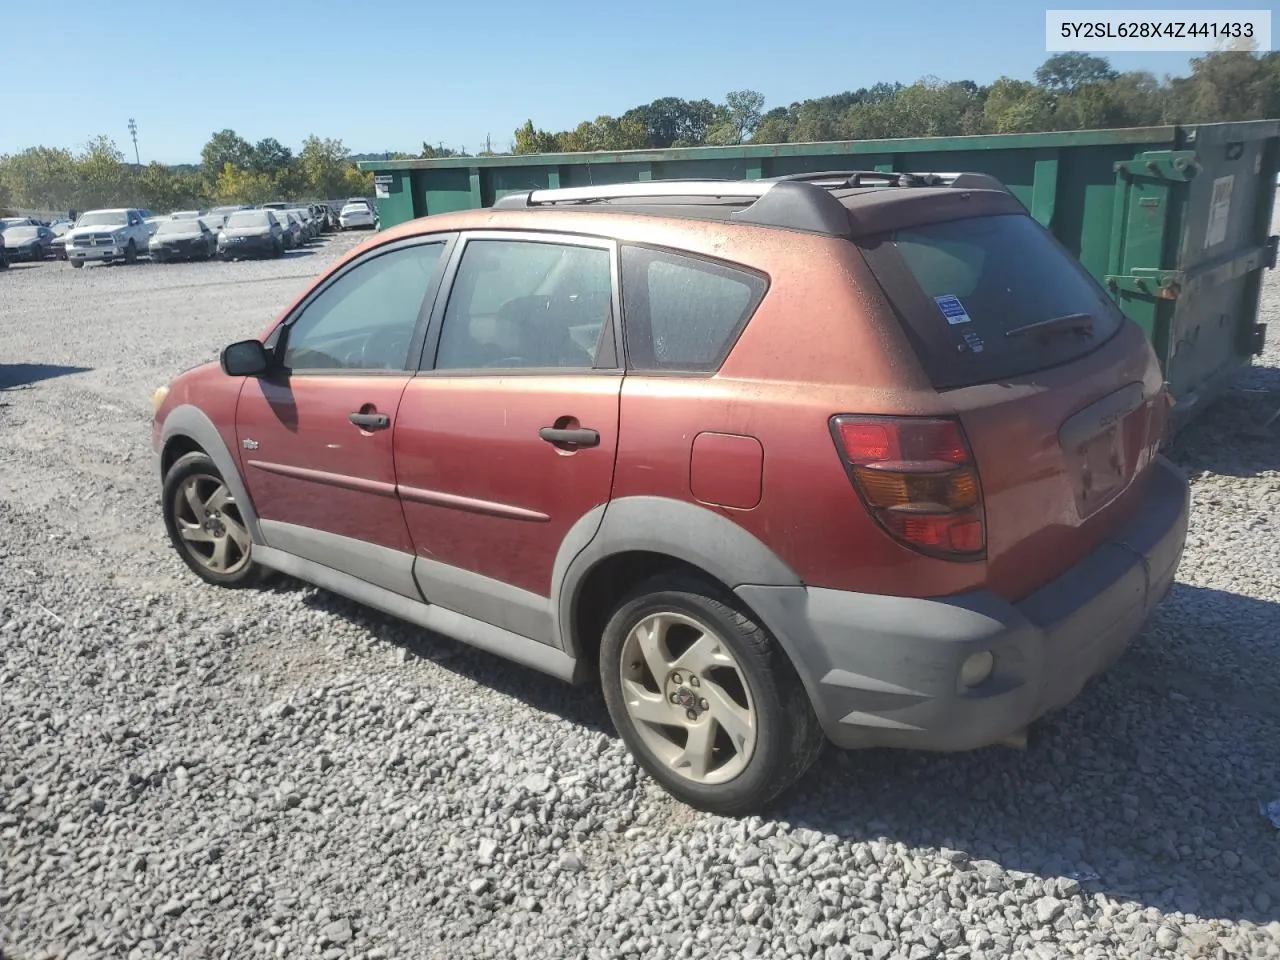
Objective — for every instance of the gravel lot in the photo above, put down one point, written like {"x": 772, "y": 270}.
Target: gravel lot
{"x": 187, "y": 772}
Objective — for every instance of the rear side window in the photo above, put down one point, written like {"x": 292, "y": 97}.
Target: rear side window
{"x": 683, "y": 314}
{"x": 964, "y": 288}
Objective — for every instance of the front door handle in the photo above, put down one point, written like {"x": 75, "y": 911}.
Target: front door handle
{"x": 577, "y": 438}
{"x": 370, "y": 421}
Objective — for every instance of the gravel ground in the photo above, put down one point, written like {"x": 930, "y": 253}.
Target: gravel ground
{"x": 189, "y": 772}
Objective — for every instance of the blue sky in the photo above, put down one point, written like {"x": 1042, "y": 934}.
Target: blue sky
{"x": 386, "y": 75}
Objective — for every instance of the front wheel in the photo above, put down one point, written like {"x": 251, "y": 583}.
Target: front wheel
{"x": 205, "y": 524}
{"x": 705, "y": 698}
{"x": 131, "y": 253}
{"x": 77, "y": 264}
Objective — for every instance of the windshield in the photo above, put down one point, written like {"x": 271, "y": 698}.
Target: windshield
{"x": 171, "y": 227}
{"x": 21, "y": 233}
{"x": 248, "y": 218}
{"x": 965, "y": 288}
{"x": 102, "y": 218}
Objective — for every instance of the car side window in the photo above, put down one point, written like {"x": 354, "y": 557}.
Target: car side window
{"x": 683, "y": 313}
{"x": 524, "y": 304}
{"x": 365, "y": 319}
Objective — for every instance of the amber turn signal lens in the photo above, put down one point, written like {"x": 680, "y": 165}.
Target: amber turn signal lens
{"x": 952, "y": 490}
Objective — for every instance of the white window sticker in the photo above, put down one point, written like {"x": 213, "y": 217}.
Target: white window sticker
{"x": 952, "y": 309}
{"x": 1219, "y": 211}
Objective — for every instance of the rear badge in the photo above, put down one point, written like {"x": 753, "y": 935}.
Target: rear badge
{"x": 952, "y": 309}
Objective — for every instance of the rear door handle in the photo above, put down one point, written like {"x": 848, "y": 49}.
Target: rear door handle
{"x": 370, "y": 421}
{"x": 581, "y": 437}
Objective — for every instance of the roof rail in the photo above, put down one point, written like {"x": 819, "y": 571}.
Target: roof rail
{"x": 859, "y": 178}
{"x": 798, "y": 201}
{"x": 795, "y": 206}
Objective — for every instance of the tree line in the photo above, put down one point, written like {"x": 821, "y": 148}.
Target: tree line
{"x": 231, "y": 170}
{"x": 1071, "y": 91}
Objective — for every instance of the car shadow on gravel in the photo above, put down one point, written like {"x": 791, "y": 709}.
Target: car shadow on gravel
{"x": 581, "y": 705}
{"x": 22, "y": 374}
{"x": 1148, "y": 787}
{"x": 1230, "y": 437}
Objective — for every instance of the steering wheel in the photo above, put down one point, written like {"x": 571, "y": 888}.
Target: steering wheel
{"x": 389, "y": 343}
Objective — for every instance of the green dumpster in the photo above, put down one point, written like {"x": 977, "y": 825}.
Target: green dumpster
{"x": 1172, "y": 220}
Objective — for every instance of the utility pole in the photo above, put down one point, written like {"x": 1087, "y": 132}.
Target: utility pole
{"x": 133, "y": 132}
{"x": 488, "y": 143}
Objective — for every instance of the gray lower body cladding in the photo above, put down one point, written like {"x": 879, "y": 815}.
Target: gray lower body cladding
{"x": 885, "y": 671}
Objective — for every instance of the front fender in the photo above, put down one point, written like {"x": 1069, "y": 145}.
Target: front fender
{"x": 193, "y": 423}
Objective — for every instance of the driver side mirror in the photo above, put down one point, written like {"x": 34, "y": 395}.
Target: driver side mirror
{"x": 247, "y": 358}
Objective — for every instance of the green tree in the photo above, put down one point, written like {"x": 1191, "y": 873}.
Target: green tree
{"x": 103, "y": 178}
{"x": 1230, "y": 85}
{"x": 270, "y": 156}
{"x": 776, "y": 126}
{"x": 238, "y": 185}
{"x": 40, "y": 178}
{"x": 1064, "y": 72}
{"x": 742, "y": 113}
{"x": 226, "y": 146}
{"x": 323, "y": 163}
{"x": 1015, "y": 106}
{"x": 531, "y": 140}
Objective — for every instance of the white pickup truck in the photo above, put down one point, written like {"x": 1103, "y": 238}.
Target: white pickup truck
{"x": 108, "y": 235}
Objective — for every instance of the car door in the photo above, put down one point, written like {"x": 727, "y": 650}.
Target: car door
{"x": 507, "y": 437}
{"x": 316, "y": 435}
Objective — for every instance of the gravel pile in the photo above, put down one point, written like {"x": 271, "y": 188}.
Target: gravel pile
{"x": 188, "y": 772}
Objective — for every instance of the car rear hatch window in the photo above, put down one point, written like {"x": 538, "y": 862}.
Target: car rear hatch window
{"x": 985, "y": 298}
{"x": 1060, "y": 397}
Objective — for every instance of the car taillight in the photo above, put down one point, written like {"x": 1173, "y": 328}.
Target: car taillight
{"x": 918, "y": 479}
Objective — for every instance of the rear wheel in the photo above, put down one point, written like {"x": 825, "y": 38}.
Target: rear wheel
{"x": 205, "y": 524}
{"x": 705, "y": 698}
{"x": 77, "y": 264}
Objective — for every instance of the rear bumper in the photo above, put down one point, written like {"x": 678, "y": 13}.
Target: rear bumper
{"x": 885, "y": 671}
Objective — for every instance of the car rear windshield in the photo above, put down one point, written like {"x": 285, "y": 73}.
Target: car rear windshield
{"x": 178, "y": 227}
{"x": 248, "y": 218}
{"x": 21, "y": 233}
{"x": 968, "y": 292}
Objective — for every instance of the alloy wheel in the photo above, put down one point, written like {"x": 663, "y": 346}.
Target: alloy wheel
{"x": 688, "y": 698}
{"x": 210, "y": 524}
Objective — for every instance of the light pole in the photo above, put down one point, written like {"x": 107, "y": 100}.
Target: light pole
{"x": 133, "y": 132}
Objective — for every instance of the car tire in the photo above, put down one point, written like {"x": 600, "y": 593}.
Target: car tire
{"x": 157, "y": 258}
{"x": 77, "y": 264}
{"x": 726, "y": 682}
{"x": 131, "y": 253}
{"x": 278, "y": 251}
{"x": 205, "y": 524}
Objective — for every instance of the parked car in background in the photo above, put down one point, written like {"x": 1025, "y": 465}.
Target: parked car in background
{"x": 153, "y": 223}
{"x": 214, "y": 221}
{"x": 251, "y": 233}
{"x": 187, "y": 214}
{"x": 292, "y": 227}
{"x": 185, "y": 239}
{"x": 106, "y": 235}
{"x": 357, "y": 215}
{"x": 24, "y": 242}
{"x": 18, "y": 222}
{"x": 924, "y": 523}
{"x": 58, "y": 245}
{"x": 309, "y": 224}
